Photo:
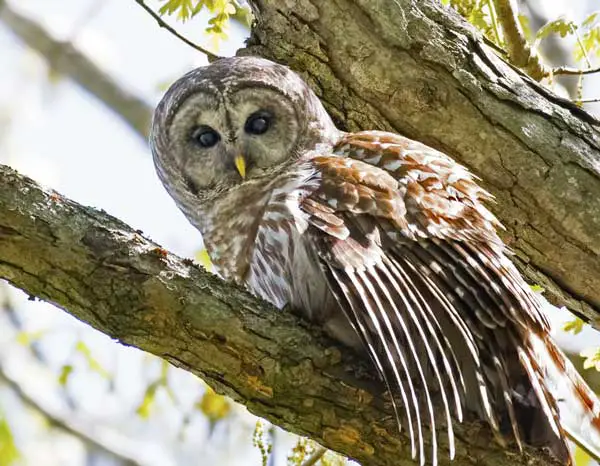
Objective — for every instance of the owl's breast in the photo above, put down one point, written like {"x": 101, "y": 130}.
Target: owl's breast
{"x": 286, "y": 271}
{"x": 280, "y": 258}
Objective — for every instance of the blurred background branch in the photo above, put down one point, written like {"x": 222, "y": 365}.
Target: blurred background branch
{"x": 66, "y": 59}
{"x": 106, "y": 441}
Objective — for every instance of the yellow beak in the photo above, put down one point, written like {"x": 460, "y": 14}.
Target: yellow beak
{"x": 240, "y": 164}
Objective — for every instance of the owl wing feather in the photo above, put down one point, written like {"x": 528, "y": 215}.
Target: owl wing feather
{"x": 412, "y": 256}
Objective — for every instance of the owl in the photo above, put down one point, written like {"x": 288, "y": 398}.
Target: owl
{"x": 383, "y": 242}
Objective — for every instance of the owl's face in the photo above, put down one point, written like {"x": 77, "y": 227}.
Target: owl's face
{"x": 234, "y": 121}
{"x": 223, "y": 138}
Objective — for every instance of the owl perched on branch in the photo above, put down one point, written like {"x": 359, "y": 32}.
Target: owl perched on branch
{"x": 381, "y": 240}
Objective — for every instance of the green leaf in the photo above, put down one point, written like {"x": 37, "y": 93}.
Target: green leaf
{"x": 145, "y": 407}
{"x": 590, "y": 44}
{"x": 143, "y": 410}
{"x": 9, "y": 453}
{"x": 65, "y": 372}
{"x": 575, "y": 326}
{"x": 170, "y": 7}
{"x": 214, "y": 406}
{"x": 537, "y": 289}
{"x": 591, "y": 19}
{"x": 592, "y": 358}
{"x": 183, "y": 8}
{"x": 204, "y": 259}
{"x": 481, "y": 14}
{"x": 27, "y": 338}
{"x": 560, "y": 26}
{"x": 92, "y": 362}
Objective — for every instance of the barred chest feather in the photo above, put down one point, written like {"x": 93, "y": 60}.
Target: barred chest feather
{"x": 262, "y": 246}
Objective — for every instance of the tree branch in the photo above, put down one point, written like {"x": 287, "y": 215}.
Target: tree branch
{"x": 211, "y": 56}
{"x": 83, "y": 430}
{"x": 519, "y": 51}
{"x": 568, "y": 71}
{"x": 417, "y": 68}
{"x": 536, "y": 152}
{"x": 108, "y": 275}
{"x": 66, "y": 59}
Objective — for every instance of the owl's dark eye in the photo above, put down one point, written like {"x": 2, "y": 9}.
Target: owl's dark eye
{"x": 258, "y": 123}
{"x": 205, "y": 136}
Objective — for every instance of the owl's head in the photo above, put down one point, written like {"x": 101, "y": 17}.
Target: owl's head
{"x": 236, "y": 120}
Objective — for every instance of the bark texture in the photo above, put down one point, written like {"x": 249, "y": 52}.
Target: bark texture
{"x": 417, "y": 68}
{"x": 111, "y": 277}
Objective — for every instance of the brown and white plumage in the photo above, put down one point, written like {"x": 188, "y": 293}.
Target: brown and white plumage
{"x": 382, "y": 240}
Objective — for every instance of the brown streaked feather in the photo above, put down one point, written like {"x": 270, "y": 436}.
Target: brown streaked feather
{"x": 424, "y": 273}
{"x": 350, "y": 304}
{"x": 385, "y": 242}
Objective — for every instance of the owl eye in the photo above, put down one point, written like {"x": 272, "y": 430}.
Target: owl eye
{"x": 258, "y": 123}
{"x": 205, "y": 136}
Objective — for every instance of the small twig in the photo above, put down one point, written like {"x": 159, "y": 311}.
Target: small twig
{"x": 588, "y": 101}
{"x": 494, "y": 21}
{"x": 568, "y": 71}
{"x": 316, "y": 456}
{"x": 211, "y": 56}
{"x": 519, "y": 51}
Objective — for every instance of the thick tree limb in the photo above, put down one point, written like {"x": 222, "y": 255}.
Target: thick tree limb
{"x": 108, "y": 275}
{"x": 66, "y": 59}
{"x": 419, "y": 69}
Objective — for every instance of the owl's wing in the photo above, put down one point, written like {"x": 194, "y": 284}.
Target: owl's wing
{"x": 412, "y": 256}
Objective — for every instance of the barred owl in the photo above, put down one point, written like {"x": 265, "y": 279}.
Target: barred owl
{"x": 381, "y": 240}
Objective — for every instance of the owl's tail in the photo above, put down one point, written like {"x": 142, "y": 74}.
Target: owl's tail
{"x": 578, "y": 406}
